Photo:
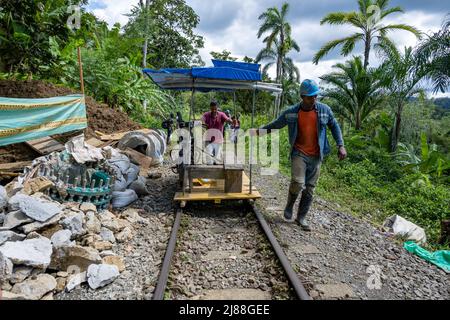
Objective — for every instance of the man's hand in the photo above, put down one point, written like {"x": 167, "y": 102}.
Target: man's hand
{"x": 342, "y": 153}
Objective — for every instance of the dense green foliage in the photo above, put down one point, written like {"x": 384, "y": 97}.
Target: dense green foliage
{"x": 398, "y": 140}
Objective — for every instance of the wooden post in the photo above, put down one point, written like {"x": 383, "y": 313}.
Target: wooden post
{"x": 81, "y": 70}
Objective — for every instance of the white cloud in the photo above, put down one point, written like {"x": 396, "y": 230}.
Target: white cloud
{"x": 113, "y": 11}
{"x": 233, "y": 25}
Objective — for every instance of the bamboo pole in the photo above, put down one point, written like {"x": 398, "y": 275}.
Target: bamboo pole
{"x": 81, "y": 70}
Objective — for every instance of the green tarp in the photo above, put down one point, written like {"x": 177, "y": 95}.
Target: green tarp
{"x": 439, "y": 258}
{"x": 27, "y": 119}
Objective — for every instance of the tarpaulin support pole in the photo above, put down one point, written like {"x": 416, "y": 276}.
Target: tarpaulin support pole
{"x": 251, "y": 142}
{"x": 81, "y": 70}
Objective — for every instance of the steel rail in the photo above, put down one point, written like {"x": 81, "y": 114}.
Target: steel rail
{"x": 290, "y": 273}
{"x": 164, "y": 274}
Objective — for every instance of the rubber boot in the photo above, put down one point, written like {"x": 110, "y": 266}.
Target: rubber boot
{"x": 289, "y": 210}
{"x": 303, "y": 209}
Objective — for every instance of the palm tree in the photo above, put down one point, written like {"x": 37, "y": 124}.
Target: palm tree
{"x": 371, "y": 30}
{"x": 402, "y": 81}
{"x": 356, "y": 91}
{"x": 279, "y": 41}
{"x": 433, "y": 54}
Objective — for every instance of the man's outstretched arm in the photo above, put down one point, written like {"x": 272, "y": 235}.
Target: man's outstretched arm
{"x": 337, "y": 135}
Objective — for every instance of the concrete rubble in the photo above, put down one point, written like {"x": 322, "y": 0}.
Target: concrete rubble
{"x": 49, "y": 246}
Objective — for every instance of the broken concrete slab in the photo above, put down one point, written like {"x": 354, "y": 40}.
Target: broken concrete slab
{"x": 234, "y": 294}
{"x": 35, "y": 289}
{"x": 38, "y": 209}
{"x": 100, "y": 275}
{"x": 36, "y": 226}
{"x": 10, "y": 236}
{"x": 38, "y": 184}
{"x": 6, "y": 267}
{"x": 335, "y": 291}
{"x": 74, "y": 256}
{"x": 62, "y": 238}
{"x": 3, "y": 198}
{"x": 32, "y": 252}
{"x": 15, "y": 219}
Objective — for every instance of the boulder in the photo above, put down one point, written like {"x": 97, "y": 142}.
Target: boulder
{"x": 124, "y": 235}
{"x": 87, "y": 206}
{"x": 10, "y": 236}
{"x": 116, "y": 261}
{"x": 74, "y": 256}
{"x": 100, "y": 275}
{"x": 107, "y": 235}
{"x": 132, "y": 216}
{"x": 93, "y": 225}
{"x": 32, "y": 252}
{"x": 20, "y": 274}
{"x": 9, "y": 296}
{"x": 35, "y": 288}
{"x": 60, "y": 284}
{"x": 76, "y": 280}
{"x": 38, "y": 209}
{"x": 102, "y": 245}
{"x": 74, "y": 222}
{"x": 62, "y": 238}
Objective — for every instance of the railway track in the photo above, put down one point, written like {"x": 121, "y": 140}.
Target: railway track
{"x": 261, "y": 259}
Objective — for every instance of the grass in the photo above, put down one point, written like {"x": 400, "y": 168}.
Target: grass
{"x": 370, "y": 185}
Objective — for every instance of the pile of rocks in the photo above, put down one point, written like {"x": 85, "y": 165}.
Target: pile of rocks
{"x": 47, "y": 247}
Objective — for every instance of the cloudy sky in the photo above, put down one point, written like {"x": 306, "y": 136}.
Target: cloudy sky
{"x": 233, "y": 24}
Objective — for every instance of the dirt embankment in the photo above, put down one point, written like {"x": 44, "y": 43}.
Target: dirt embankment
{"x": 100, "y": 116}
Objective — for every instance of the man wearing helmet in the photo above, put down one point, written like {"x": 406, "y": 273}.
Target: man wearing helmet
{"x": 307, "y": 125}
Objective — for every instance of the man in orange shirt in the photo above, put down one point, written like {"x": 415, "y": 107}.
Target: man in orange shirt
{"x": 307, "y": 123}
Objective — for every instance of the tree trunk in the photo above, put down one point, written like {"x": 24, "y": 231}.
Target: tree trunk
{"x": 367, "y": 51}
{"x": 396, "y": 129}
{"x": 445, "y": 232}
{"x": 358, "y": 120}
{"x": 145, "y": 47}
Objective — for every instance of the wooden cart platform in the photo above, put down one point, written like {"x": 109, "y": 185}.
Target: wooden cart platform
{"x": 213, "y": 190}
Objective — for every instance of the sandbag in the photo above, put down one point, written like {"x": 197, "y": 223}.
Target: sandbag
{"x": 132, "y": 174}
{"x": 121, "y": 199}
{"x": 139, "y": 186}
{"x": 400, "y": 226}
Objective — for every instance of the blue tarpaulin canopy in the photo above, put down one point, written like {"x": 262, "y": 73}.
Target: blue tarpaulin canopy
{"x": 223, "y": 76}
